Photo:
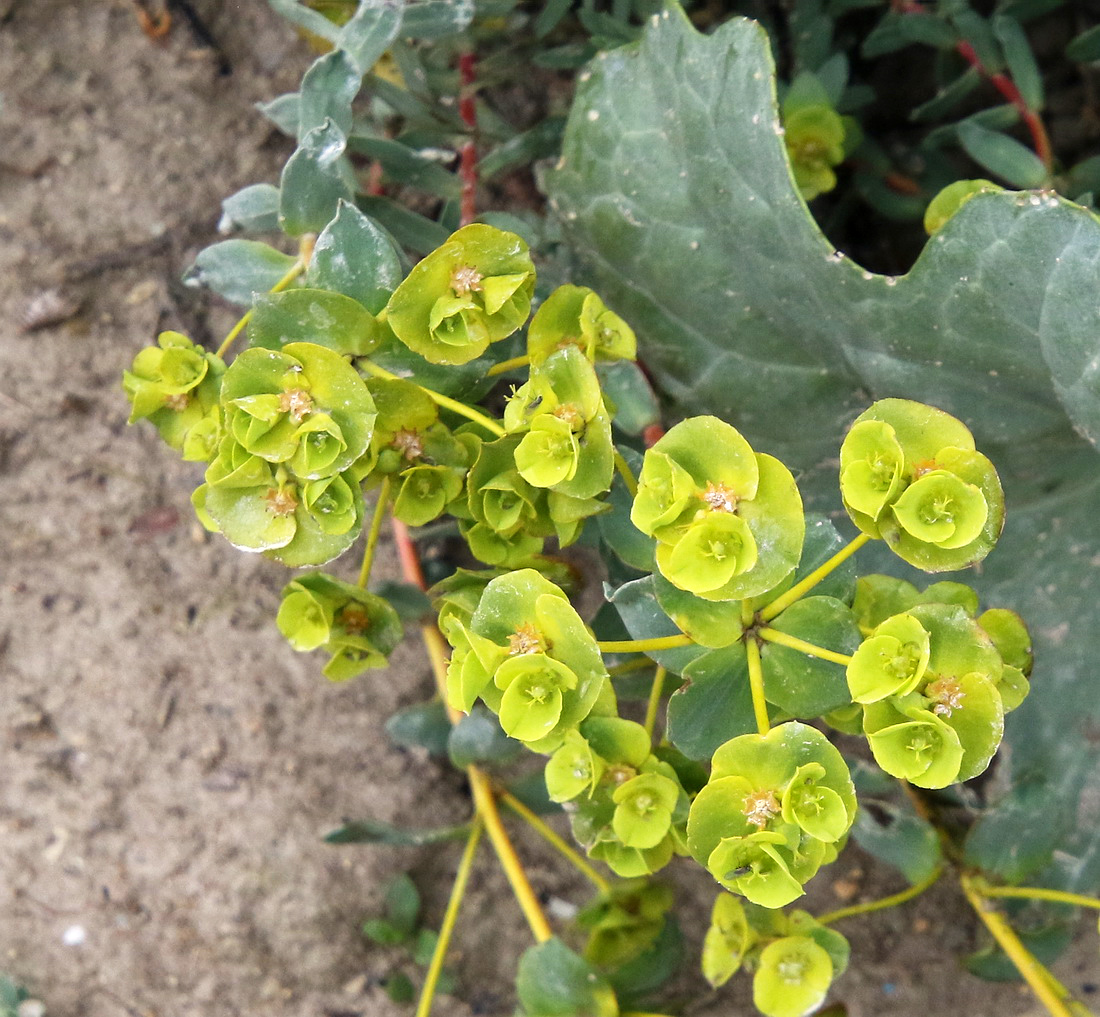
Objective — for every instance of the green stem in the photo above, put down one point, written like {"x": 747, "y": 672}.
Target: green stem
{"x": 507, "y": 365}
{"x": 756, "y": 686}
{"x": 375, "y": 528}
{"x": 782, "y": 602}
{"x": 644, "y": 645}
{"x": 446, "y": 402}
{"x": 1034, "y": 972}
{"x": 654, "y": 700}
{"x": 883, "y": 903}
{"x": 556, "y": 842}
{"x": 1036, "y": 893}
{"x": 810, "y": 649}
{"x": 295, "y": 270}
{"x": 450, "y": 916}
{"x": 624, "y": 471}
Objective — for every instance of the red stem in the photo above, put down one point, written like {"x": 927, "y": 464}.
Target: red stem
{"x": 1002, "y": 82}
{"x": 467, "y": 169}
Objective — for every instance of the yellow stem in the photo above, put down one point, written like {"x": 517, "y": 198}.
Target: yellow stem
{"x": 624, "y": 471}
{"x": 1036, "y": 893}
{"x": 305, "y": 252}
{"x": 1033, "y": 971}
{"x": 654, "y": 701}
{"x": 556, "y": 842}
{"x": 446, "y": 402}
{"x": 375, "y": 528}
{"x": 507, "y": 365}
{"x": 782, "y": 602}
{"x": 644, "y": 645}
{"x": 484, "y": 801}
{"x": 756, "y": 686}
{"x": 794, "y": 643}
{"x": 450, "y": 916}
{"x": 509, "y": 861}
{"x": 884, "y": 902}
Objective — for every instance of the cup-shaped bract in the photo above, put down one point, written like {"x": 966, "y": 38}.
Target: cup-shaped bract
{"x": 947, "y": 727}
{"x": 643, "y": 809}
{"x": 793, "y": 787}
{"x": 728, "y": 521}
{"x": 176, "y": 386}
{"x": 814, "y": 136}
{"x": 948, "y": 201}
{"x": 303, "y": 406}
{"x": 728, "y": 939}
{"x": 909, "y": 475}
{"x": 261, "y": 507}
{"x": 573, "y": 770}
{"x": 405, "y": 414}
{"x": 939, "y": 508}
{"x": 891, "y": 661}
{"x": 634, "y": 814}
{"x": 473, "y": 290}
{"x": 576, "y": 316}
{"x": 757, "y": 866}
{"x": 872, "y": 468}
{"x": 425, "y": 493}
{"x": 567, "y": 446}
{"x": 359, "y": 629}
{"x": 542, "y": 661}
{"x": 792, "y": 977}
{"x": 549, "y": 453}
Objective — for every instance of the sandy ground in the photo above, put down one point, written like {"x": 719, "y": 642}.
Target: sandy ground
{"x": 167, "y": 765}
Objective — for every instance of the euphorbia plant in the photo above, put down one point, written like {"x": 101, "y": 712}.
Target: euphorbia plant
{"x": 783, "y": 671}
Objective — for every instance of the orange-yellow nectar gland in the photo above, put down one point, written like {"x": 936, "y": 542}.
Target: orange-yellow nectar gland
{"x": 354, "y": 619}
{"x": 408, "y": 443}
{"x": 526, "y": 639}
{"x": 759, "y": 807}
{"x": 178, "y": 402}
{"x": 947, "y": 694}
{"x": 923, "y": 467}
{"x": 281, "y": 502}
{"x": 570, "y": 414}
{"x": 465, "y": 279}
{"x": 297, "y": 403}
{"x": 719, "y": 497}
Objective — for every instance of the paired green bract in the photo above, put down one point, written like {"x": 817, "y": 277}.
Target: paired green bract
{"x": 772, "y": 813}
{"x": 358, "y": 630}
{"x": 728, "y": 521}
{"x": 909, "y": 474}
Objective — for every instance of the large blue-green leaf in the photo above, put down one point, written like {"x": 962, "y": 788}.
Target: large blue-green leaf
{"x": 675, "y": 191}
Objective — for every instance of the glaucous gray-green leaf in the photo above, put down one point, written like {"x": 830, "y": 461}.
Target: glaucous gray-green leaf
{"x": 553, "y": 981}
{"x": 374, "y": 831}
{"x": 898, "y": 836}
{"x": 326, "y": 93}
{"x": 675, "y": 191}
{"x": 254, "y": 208}
{"x": 621, "y": 535}
{"x": 806, "y": 686}
{"x": 309, "y": 315}
{"x": 714, "y": 704}
{"x": 355, "y": 256}
{"x": 314, "y": 180}
{"x": 435, "y": 19}
{"x": 478, "y": 738}
{"x": 423, "y": 724}
{"x": 235, "y": 269}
